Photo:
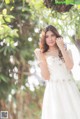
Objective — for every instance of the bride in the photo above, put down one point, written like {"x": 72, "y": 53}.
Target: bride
{"x": 61, "y": 97}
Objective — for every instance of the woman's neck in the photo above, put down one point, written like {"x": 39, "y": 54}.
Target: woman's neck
{"x": 52, "y": 49}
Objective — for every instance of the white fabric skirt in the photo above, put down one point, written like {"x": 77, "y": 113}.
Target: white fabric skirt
{"x": 61, "y": 100}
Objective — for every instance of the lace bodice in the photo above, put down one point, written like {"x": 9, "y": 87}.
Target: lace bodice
{"x": 57, "y": 68}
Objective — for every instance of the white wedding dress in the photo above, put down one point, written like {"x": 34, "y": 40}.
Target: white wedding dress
{"x": 61, "y": 97}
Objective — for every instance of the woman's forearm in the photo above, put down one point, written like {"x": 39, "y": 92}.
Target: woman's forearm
{"x": 44, "y": 70}
{"x": 67, "y": 58}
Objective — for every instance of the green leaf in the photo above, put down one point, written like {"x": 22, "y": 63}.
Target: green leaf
{"x": 70, "y": 2}
{"x": 7, "y": 1}
{"x": 4, "y": 11}
{"x": 3, "y": 78}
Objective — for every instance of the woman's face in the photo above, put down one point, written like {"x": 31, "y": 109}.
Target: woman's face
{"x": 50, "y": 39}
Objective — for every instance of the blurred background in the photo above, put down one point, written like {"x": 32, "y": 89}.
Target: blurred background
{"x": 21, "y": 22}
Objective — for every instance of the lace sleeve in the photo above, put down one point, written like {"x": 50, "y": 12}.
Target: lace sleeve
{"x": 40, "y": 56}
{"x": 37, "y": 52}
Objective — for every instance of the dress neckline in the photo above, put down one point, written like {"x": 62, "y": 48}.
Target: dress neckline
{"x": 53, "y": 56}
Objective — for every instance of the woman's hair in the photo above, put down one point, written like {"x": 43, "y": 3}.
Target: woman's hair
{"x": 43, "y": 46}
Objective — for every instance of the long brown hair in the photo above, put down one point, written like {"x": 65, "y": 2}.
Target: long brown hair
{"x": 43, "y": 46}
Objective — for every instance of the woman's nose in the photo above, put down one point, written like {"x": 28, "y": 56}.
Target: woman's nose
{"x": 50, "y": 38}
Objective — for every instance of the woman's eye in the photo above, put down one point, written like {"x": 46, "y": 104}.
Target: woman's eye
{"x": 52, "y": 35}
{"x": 46, "y": 36}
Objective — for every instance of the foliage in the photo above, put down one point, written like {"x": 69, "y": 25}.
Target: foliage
{"x": 14, "y": 32}
{"x": 18, "y": 40}
{"x": 7, "y": 40}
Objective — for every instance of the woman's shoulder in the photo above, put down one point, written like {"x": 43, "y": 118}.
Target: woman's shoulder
{"x": 36, "y": 50}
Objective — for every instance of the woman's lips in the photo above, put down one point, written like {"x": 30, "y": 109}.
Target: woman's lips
{"x": 51, "y": 42}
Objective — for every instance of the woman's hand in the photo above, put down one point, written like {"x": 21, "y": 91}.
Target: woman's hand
{"x": 60, "y": 43}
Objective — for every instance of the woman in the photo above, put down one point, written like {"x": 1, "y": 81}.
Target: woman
{"x": 61, "y": 97}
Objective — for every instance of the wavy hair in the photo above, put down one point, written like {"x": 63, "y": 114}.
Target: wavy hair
{"x": 43, "y": 46}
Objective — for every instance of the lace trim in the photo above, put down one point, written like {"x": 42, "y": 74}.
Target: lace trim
{"x": 53, "y": 56}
